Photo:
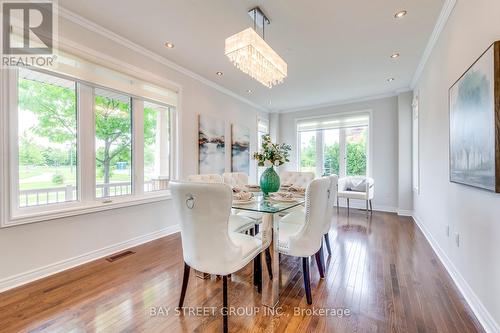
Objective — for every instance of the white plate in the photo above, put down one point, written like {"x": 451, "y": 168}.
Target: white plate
{"x": 281, "y": 199}
{"x": 243, "y": 202}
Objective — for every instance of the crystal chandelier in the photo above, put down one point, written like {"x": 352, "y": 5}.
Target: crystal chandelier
{"x": 253, "y": 56}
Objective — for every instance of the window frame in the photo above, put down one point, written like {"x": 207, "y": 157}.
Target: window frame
{"x": 320, "y": 139}
{"x": 10, "y": 212}
{"x": 260, "y": 120}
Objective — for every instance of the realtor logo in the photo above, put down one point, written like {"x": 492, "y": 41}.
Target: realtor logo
{"x": 28, "y": 30}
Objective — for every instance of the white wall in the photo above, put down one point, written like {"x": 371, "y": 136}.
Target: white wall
{"x": 405, "y": 192}
{"x": 40, "y": 245}
{"x": 472, "y": 213}
{"x": 383, "y": 145}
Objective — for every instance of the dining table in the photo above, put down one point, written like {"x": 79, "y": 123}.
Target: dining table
{"x": 269, "y": 232}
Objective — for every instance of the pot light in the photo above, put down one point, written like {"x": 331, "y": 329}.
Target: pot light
{"x": 390, "y": 79}
{"x": 395, "y": 55}
{"x": 169, "y": 45}
{"x": 249, "y": 91}
{"x": 400, "y": 14}
{"x": 219, "y": 73}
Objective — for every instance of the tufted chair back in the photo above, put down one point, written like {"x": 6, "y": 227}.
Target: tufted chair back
{"x": 206, "y": 178}
{"x": 204, "y": 213}
{"x": 301, "y": 179}
{"x": 331, "y": 202}
{"x": 308, "y": 241}
{"x": 235, "y": 178}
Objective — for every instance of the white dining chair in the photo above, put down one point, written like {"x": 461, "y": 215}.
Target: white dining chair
{"x": 298, "y": 217}
{"x": 237, "y": 223}
{"x": 241, "y": 179}
{"x": 207, "y": 244}
{"x": 305, "y": 239}
{"x": 332, "y": 197}
{"x": 357, "y": 188}
{"x": 205, "y": 178}
{"x": 235, "y": 178}
{"x": 297, "y": 178}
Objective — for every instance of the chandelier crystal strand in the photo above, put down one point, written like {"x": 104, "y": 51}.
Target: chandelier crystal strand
{"x": 253, "y": 56}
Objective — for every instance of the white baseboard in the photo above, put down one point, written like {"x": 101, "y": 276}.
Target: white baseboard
{"x": 39, "y": 273}
{"x": 405, "y": 212}
{"x": 470, "y": 296}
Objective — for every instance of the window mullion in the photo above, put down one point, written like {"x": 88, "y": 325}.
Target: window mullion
{"x": 137, "y": 146}
{"x": 342, "y": 153}
{"x": 86, "y": 143}
{"x": 319, "y": 153}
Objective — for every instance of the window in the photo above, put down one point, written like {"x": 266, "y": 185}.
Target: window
{"x": 262, "y": 129}
{"x": 113, "y": 143}
{"x": 76, "y": 146}
{"x": 308, "y": 156}
{"x": 336, "y": 145}
{"x": 156, "y": 146}
{"x": 47, "y": 139}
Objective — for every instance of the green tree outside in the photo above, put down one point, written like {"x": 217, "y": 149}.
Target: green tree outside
{"x": 54, "y": 108}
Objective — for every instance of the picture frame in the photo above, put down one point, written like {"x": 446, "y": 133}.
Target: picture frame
{"x": 474, "y": 126}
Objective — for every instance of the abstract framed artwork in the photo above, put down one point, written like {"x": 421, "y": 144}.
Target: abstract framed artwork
{"x": 240, "y": 149}
{"x": 211, "y": 145}
{"x": 475, "y": 123}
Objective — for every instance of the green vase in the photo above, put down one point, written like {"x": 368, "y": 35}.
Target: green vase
{"x": 269, "y": 181}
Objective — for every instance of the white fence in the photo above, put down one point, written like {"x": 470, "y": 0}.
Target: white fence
{"x": 46, "y": 196}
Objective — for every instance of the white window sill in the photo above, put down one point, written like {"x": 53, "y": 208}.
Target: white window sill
{"x": 87, "y": 208}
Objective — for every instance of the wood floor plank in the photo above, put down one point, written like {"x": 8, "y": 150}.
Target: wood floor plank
{"x": 381, "y": 268}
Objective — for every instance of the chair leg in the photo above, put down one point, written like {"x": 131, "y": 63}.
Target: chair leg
{"x": 268, "y": 263}
{"x": 224, "y": 303}
{"x": 327, "y": 242}
{"x": 371, "y": 207}
{"x": 347, "y": 206}
{"x": 185, "y": 280}
{"x": 338, "y": 206}
{"x": 320, "y": 263}
{"x": 307, "y": 279}
{"x": 366, "y": 207}
{"x": 257, "y": 273}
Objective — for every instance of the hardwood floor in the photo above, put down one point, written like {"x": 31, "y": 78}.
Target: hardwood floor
{"x": 381, "y": 269}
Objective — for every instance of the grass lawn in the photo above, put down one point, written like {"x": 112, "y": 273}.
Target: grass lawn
{"x": 40, "y": 177}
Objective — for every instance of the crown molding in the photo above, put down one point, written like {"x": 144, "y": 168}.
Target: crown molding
{"x": 438, "y": 28}
{"x": 337, "y": 103}
{"x": 96, "y": 28}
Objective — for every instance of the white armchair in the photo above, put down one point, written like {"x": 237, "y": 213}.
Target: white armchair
{"x": 357, "y": 188}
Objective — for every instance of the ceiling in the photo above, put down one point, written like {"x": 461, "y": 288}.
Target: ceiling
{"x": 336, "y": 50}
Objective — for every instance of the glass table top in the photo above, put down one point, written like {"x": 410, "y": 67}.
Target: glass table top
{"x": 263, "y": 204}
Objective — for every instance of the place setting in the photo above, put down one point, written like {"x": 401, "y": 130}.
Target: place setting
{"x": 241, "y": 196}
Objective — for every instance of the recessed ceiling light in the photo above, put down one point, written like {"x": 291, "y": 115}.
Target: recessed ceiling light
{"x": 249, "y": 91}
{"x": 400, "y": 14}
{"x": 169, "y": 45}
{"x": 395, "y": 55}
{"x": 219, "y": 73}
{"x": 390, "y": 79}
